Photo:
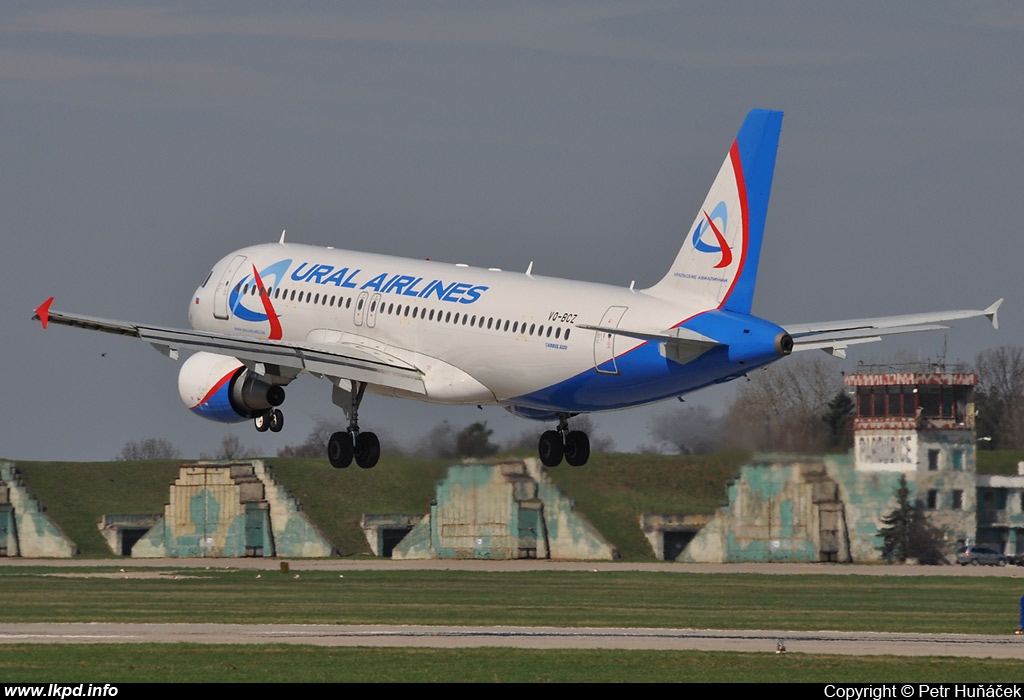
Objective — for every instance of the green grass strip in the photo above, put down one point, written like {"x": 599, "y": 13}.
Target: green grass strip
{"x": 101, "y": 663}
{"x": 982, "y": 605}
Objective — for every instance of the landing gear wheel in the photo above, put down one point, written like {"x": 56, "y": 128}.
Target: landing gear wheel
{"x": 262, "y": 423}
{"x": 367, "y": 450}
{"x": 339, "y": 450}
{"x": 276, "y": 421}
{"x": 577, "y": 448}
{"x": 550, "y": 448}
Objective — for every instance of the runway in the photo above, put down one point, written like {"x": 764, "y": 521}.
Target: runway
{"x": 757, "y": 641}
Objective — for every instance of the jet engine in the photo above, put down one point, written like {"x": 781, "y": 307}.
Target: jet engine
{"x": 221, "y": 389}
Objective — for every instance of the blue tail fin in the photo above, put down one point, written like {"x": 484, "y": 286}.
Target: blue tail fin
{"x": 717, "y": 264}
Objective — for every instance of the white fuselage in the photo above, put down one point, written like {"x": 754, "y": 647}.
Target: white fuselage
{"x": 478, "y": 335}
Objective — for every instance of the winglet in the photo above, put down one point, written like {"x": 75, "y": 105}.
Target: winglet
{"x": 42, "y": 313}
{"x": 991, "y": 313}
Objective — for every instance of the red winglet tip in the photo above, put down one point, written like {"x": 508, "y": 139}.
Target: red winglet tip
{"x": 43, "y": 312}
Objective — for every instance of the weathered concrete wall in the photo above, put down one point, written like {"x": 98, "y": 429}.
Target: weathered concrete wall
{"x": 502, "y": 511}
{"x": 946, "y": 466}
{"x": 657, "y": 527}
{"x": 113, "y": 525}
{"x": 375, "y": 525}
{"x": 28, "y": 530}
{"x": 775, "y": 514}
{"x": 231, "y": 510}
{"x": 294, "y": 534}
{"x": 792, "y": 509}
{"x": 867, "y": 496}
{"x": 570, "y": 535}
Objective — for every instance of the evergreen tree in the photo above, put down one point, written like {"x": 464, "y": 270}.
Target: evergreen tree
{"x": 907, "y": 534}
{"x": 475, "y": 441}
{"x": 837, "y": 418}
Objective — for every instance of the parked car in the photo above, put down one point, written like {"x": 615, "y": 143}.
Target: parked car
{"x": 976, "y": 556}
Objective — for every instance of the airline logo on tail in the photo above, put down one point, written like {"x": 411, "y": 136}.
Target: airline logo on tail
{"x": 717, "y": 221}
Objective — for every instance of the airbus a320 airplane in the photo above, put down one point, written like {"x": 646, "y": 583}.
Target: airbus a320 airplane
{"x": 542, "y": 348}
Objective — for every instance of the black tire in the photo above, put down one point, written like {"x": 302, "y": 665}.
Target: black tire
{"x": 974, "y": 562}
{"x": 339, "y": 450}
{"x": 577, "y": 448}
{"x": 550, "y": 448}
{"x": 367, "y": 450}
{"x": 276, "y": 420}
{"x": 1002, "y": 562}
{"x": 262, "y": 423}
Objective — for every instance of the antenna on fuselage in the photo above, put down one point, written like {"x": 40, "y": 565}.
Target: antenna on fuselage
{"x": 282, "y": 236}
{"x": 529, "y": 269}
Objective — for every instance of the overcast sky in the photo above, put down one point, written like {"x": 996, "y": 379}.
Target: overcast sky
{"x": 141, "y": 142}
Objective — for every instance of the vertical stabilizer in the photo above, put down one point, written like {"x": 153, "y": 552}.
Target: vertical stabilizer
{"x": 717, "y": 264}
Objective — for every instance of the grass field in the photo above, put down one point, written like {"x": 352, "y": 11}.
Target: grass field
{"x": 614, "y": 599}
{"x": 106, "y": 663}
{"x": 983, "y": 605}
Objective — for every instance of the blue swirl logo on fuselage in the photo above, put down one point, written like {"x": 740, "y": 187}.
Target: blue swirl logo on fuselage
{"x": 272, "y": 276}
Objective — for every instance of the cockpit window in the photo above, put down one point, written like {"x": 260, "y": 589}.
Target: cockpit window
{"x": 208, "y": 276}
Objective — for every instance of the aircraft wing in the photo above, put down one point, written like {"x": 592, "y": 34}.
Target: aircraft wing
{"x": 342, "y": 361}
{"x": 834, "y": 336}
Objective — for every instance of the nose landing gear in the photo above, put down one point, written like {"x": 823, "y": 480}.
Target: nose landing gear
{"x": 272, "y": 420}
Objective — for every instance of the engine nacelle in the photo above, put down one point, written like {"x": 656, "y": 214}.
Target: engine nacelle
{"x": 221, "y": 389}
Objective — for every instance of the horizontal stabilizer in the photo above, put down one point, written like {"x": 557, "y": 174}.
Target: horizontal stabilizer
{"x": 834, "y": 336}
{"x": 679, "y": 344}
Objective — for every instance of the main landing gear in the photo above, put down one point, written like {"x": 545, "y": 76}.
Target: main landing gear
{"x": 344, "y": 446}
{"x": 272, "y": 420}
{"x": 573, "y": 445}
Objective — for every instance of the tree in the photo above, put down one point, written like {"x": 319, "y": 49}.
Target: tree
{"x": 688, "y": 430}
{"x": 474, "y": 441}
{"x": 837, "y": 418}
{"x": 150, "y": 448}
{"x": 999, "y": 397}
{"x": 315, "y": 444}
{"x": 231, "y": 448}
{"x": 439, "y": 441}
{"x": 781, "y": 406}
{"x": 907, "y": 534}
